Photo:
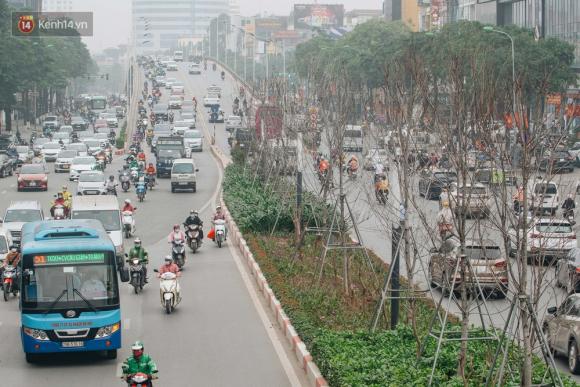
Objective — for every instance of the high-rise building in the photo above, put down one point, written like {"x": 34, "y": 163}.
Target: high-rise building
{"x": 57, "y": 5}
{"x": 206, "y": 10}
{"x": 33, "y": 5}
{"x": 404, "y": 10}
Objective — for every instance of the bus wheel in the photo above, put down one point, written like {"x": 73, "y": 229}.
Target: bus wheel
{"x": 112, "y": 354}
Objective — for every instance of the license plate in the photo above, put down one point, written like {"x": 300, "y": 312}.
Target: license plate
{"x": 32, "y": 184}
{"x": 73, "y": 344}
{"x": 183, "y": 183}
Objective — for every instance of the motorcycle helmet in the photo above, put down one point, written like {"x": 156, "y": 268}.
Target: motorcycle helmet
{"x": 111, "y": 178}
{"x": 138, "y": 348}
{"x": 168, "y": 259}
{"x": 176, "y": 227}
{"x": 137, "y": 242}
{"x": 218, "y": 208}
{"x": 13, "y": 249}
{"x": 127, "y": 201}
{"x": 64, "y": 188}
{"x": 193, "y": 212}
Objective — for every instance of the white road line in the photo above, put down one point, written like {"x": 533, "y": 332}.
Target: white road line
{"x": 127, "y": 324}
{"x": 268, "y": 325}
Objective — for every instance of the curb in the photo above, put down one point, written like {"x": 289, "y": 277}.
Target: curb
{"x": 293, "y": 340}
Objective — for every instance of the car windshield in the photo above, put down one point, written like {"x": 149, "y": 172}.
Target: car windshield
{"x": 92, "y": 143}
{"x": 187, "y": 116}
{"x": 542, "y": 188}
{"x": 483, "y": 252}
{"x": 51, "y": 146}
{"x": 22, "y": 215}
{"x": 192, "y": 134}
{"x": 169, "y": 153}
{"x": 84, "y": 161}
{"x": 555, "y": 228}
{"x": 91, "y": 177}
{"x": 67, "y": 154}
{"x": 182, "y": 168}
{"x": 32, "y": 169}
{"x": 60, "y": 135}
{"x": 109, "y": 218}
{"x": 3, "y": 245}
{"x": 22, "y": 149}
{"x": 78, "y": 147}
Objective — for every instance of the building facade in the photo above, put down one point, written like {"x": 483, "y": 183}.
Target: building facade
{"x": 57, "y": 5}
{"x": 405, "y": 10}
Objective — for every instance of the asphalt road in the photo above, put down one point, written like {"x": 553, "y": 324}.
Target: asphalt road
{"x": 219, "y": 335}
{"x": 375, "y": 221}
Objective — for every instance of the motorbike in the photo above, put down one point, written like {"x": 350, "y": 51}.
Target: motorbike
{"x": 125, "y": 181}
{"x": 112, "y": 189}
{"x": 220, "y": 231}
{"x": 128, "y": 227}
{"x": 136, "y": 274}
{"x": 141, "y": 190}
{"x": 150, "y": 180}
{"x": 101, "y": 164}
{"x": 134, "y": 175}
{"x": 169, "y": 291}
{"x": 223, "y": 76}
{"x": 351, "y": 173}
{"x": 139, "y": 380}
{"x": 192, "y": 233}
{"x": 9, "y": 282}
{"x": 382, "y": 195}
{"x": 569, "y": 216}
{"x": 59, "y": 212}
{"x": 178, "y": 252}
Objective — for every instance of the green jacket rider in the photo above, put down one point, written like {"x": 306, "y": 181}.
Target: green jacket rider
{"x": 138, "y": 251}
{"x": 139, "y": 362}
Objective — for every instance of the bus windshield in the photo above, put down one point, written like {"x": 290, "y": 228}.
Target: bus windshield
{"x": 84, "y": 280}
{"x": 98, "y": 103}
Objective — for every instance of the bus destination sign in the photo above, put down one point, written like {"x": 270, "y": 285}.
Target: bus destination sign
{"x": 73, "y": 258}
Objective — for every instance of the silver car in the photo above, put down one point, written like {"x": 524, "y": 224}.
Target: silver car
{"x": 562, "y": 330}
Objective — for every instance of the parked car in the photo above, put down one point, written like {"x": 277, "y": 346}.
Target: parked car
{"x": 17, "y": 214}
{"x": 91, "y": 183}
{"x": 432, "y": 182}
{"x": 486, "y": 259}
{"x": 557, "y": 162}
{"x": 64, "y": 160}
{"x": 32, "y": 177}
{"x": 562, "y": 330}
{"x": 546, "y": 238}
{"x": 469, "y": 199}
{"x": 543, "y": 196}
{"x": 568, "y": 271}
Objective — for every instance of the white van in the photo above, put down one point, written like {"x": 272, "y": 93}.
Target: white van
{"x": 183, "y": 175}
{"x": 5, "y": 242}
{"x": 353, "y": 139}
{"x": 104, "y": 208}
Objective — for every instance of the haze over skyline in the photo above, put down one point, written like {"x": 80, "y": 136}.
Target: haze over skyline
{"x": 112, "y": 18}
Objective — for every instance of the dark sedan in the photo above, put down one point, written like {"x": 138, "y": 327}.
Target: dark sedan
{"x": 432, "y": 182}
{"x": 557, "y": 162}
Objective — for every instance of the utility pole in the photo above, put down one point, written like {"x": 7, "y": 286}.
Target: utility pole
{"x": 395, "y": 262}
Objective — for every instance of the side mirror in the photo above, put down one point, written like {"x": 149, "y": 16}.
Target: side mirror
{"x": 196, "y": 169}
{"x": 156, "y": 271}
{"x": 552, "y": 310}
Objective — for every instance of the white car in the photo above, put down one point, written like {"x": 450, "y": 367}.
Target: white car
{"x": 19, "y": 213}
{"x": 375, "y": 156}
{"x": 25, "y": 154}
{"x": 474, "y": 199}
{"x": 80, "y": 147}
{"x": 174, "y": 103}
{"x": 233, "y": 122}
{"x": 93, "y": 145}
{"x": 64, "y": 160}
{"x": 543, "y": 196}
{"x": 66, "y": 128}
{"x": 59, "y": 137}
{"x": 38, "y": 144}
{"x": 546, "y": 237}
{"x": 179, "y": 127}
{"x": 80, "y": 164}
{"x": 169, "y": 83}
{"x": 192, "y": 141}
{"x": 5, "y": 242}
{"x": 189, "y": 118}
{"x": 195, "y": 69}
{"x": 103, "y": 138}
{"x": 112, "y": 122}
{"x": 171, "y": 66}
{"x": 50, "y": 151}
{"x": 91, "y": 183}
{"x": 211, "y": 99}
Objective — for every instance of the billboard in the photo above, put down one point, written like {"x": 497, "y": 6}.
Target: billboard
{"x": 265, "y": 27}
{"x": 308, "y": 16}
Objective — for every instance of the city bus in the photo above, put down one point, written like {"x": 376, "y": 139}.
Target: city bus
{"x": 69, "y": 289}
{"x": 97, "y": 104}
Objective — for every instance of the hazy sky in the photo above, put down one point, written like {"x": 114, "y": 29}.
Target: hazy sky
{"x": 112, "y": 18}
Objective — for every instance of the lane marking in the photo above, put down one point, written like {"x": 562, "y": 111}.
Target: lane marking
{"x": 269, "y": 327}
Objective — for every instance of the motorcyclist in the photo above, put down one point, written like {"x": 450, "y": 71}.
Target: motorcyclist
{"x": 568, "y": 206}
{"x": 171, "y": 115}
{"x": 139, "y": 362}
{"x": 151, "y": 169}
{"x": 59, "y": 201}
{"x": 67, "y": 196}
{"x": 128, "y": 206}
{"x": 169, "y": 267}
{"x": 445, "y": 220}
{"x": 138, "y": 251}
{"x": 382, "y": 186}
{"x": 193, "y": 219}
{"x": 323, "y": 166}
{"x": 176, "y": 234}
{"x": 141, "y": 156}
{"x": 219, "y": 215}
{"x": 352, "y": 165}
{"x": 223, "y": 75}
{"x": 12, "y": 259}
{"x": 112, "y": 184}
{"x": 518, "y": 199}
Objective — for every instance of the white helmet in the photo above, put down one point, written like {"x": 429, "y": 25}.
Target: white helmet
{"x": 168, "y": 258}
{"x": 128, "y": 201}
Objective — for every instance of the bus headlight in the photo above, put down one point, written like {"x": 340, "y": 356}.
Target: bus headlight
{"x": 36, "y": 334}
{"x": 107, "y": 331}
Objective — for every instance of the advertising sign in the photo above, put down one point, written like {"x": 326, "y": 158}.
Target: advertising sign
{"x": 307, "y": 16}
{"x": 265, "y": 27}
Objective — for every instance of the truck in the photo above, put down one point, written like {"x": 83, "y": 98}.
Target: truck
{"x": 353, "y": 139}
{"x": 167, "y": 150}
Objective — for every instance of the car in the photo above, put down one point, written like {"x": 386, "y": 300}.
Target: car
{"x": 100, "y": 123}
{"x": 557, "y": 162}
{"x": 61, "y": 137}
{"x": 7, "y": 165}
{"x": 547, "y": 238}
{"x": 486, "y": 259}
{"x": 495, "y": 176}
{"x": 120, "y": 112}
{"x": 216, "y": 115}
{"x": 93, "y": 145}
{"x": 179, "y": 127}
{"x": 171, "y": 66}
{"x": 476, "y": 160}
{"x": 233, "y": 122}
{"x": 169, "y": 82}
{"x": 471, "y": 199}
{"x": 156, "y": 137}
{"x": 562, "y": 330}
{"x": 103, "y": 138}
{"x": 194, "y": 69}
{"x": 213, "y": 89}
{"x": 38, "y": 144}
{"x": 375, "y": 156}
{"x": 5, "y": 243}
{"x": 91, "y": 183}
{"x": 80, "y": 147}
{"x": 17, "y": 214}
{"x": 568, "y": 271}
{"x": 50, "y": 151}
{"x": 160, "y": 80}
{"x": 183, "y": 175}
{"x": 32, "y": 177}
{"x": 25, "y": 154}
{"x": 432, "y": 182}
{"x": 161, "y": 112}
{"x": 242, "y": 138}
{"x": 66, "y": 128}
{"x": 543, "y": 196}
{"x": 174, "y": 102}
{"x": 78, "y": 124}
{"x": 165, "y": 159}
{"x": 64, "y": 160}
{"x": 187, "y": 106}
{"x": 193, "y": 141}
{"x": 188, "y": 117}
{"x": 211, "y": 99}
{"x": 87, "y": 134}
{"x": 80, "y": 164}
{"x": 112, "y": 122}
